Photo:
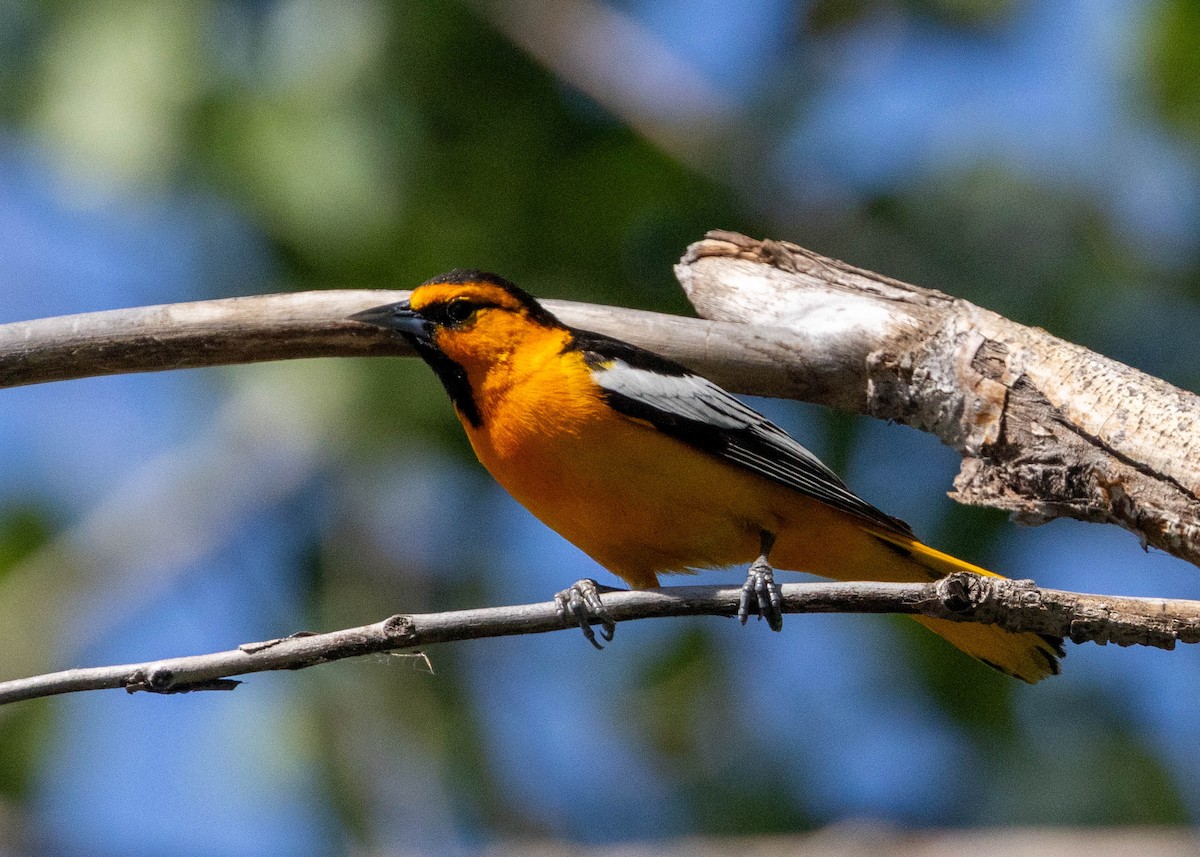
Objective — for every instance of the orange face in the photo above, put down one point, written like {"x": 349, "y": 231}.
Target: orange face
{"x": 477, "y": 323}
{"x": 476, "y": 330}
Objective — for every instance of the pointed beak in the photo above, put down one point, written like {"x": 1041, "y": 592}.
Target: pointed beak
{"x": 399, "y": 317}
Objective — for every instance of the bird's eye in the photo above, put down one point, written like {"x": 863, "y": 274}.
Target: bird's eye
{"x": 460, "y": 310}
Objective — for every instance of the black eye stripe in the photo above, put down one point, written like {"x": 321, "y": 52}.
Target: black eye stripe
{"x": 455, "y": 311}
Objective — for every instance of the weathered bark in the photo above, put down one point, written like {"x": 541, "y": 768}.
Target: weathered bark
{"x": 1046, "y": 428}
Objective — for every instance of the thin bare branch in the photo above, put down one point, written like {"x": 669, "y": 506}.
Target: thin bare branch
{"x": 1014, "y": 604}
{"x": 313, "y": 324}
{"x": 661, "y": 93}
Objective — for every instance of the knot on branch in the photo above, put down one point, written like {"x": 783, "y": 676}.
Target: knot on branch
{"x": 1020, "y": 606}
{"x": 961, "y": 593}
{"x": 398, "y": 629}
{"x": 997, "y": 600}
{"x": 165, "y": 680}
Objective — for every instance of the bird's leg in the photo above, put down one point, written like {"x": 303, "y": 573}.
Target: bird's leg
{"x": 579, "y": 604}
{"x": 760, "y": 592}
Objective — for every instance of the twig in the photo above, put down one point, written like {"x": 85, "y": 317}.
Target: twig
{"x": 1014, "y": 604}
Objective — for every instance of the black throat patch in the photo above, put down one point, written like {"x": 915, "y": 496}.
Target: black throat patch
{"x": 453, "y": 378}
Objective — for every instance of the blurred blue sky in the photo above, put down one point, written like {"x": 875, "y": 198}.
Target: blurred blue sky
{"x": 1049, "y": 96}
{"x": 217, "y": 772}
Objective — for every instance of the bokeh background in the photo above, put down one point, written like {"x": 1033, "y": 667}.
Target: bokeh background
{"x": 1039, "y": 158}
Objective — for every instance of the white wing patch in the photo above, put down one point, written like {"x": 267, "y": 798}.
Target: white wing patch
{"x": 687, "y": 396}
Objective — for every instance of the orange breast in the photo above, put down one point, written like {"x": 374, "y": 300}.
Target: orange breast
{"x": 634, "y": 499}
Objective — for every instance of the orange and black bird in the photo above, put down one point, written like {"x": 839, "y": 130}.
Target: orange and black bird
{"x": 651, "y": 469}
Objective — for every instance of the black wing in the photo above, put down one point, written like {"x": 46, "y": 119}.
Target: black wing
{"x": 693, "y": 409}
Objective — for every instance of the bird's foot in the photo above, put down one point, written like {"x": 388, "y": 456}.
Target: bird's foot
{"x": 579, "y": 604}
{"x": 761, "y": 596}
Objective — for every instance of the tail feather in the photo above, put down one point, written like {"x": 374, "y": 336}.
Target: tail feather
{"x": 1028, "y": 656}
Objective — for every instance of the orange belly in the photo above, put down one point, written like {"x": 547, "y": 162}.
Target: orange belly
{"x": 634, "y": 500}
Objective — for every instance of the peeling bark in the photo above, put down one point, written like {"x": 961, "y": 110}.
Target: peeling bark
{"x": 1046, "y": 428}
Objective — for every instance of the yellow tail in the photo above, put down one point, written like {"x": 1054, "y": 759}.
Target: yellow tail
{"x": 1027, "y": 656}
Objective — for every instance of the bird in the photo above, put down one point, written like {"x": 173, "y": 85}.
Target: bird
{"x": 652, "y": 469}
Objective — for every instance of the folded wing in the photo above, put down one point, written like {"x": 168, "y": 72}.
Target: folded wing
{"x": 693, "y": 409}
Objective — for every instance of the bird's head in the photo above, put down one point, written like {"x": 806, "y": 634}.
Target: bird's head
{"x": 464, "y": 323}
{"x": 469, "y": 317}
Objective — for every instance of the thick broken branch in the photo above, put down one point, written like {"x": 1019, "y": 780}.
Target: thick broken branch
{"x": 1047, "y": 429}
{"x": 1014, "y": 604}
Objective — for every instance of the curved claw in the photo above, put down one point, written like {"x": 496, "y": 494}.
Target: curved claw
{"x": 579, "y": 604}
{"x": 761, "y": 596}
